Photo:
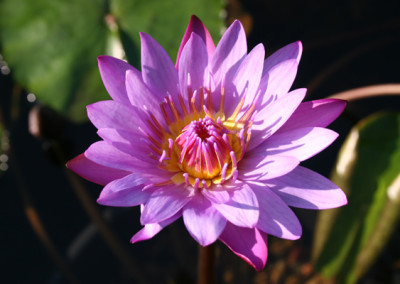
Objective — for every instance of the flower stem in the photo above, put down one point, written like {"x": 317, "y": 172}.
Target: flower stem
{"x": 368, "y": 91}
{"x": 206, "y": 262}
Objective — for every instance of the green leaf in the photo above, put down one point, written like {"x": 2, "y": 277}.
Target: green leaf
{"x": 51, "y": 46}
{"x": 166, "y": 21}
{"x": 367, "y": 166}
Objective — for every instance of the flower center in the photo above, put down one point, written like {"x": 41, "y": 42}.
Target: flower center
{"x": 201, "y": 145}
{"x": 203, "y": 148}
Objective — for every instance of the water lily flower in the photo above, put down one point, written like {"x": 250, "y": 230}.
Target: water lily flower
{"x": 216, "y": 139}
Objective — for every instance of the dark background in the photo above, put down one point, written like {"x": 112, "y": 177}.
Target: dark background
{"x": 347, "y": 44}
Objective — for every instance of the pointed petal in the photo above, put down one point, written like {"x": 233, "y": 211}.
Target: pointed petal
{"x": 143, "y": 98}
{"x": 307, "y": 189}
{"x": 124, "y": 192}
{"x": 272, "y": 117}
{"x": 290, "y": 51}
{"x": 259, "y": 166}
{"x": 127, "y": 142}
{"x": 249, "y": 244}
{"x": 230, "y": 50}
{"x": 193, "y": 63}
{"x": 105, "y": 154}
{"x": 197, "y": 27}
{"x": 111, "y": 114}
{"x": 112, "y": 71}
{"x": 276, "y": 218}
{"x": 150, "y": 230}
{"x": 204, "y": 223}
{"x": 164, "y": 203}
{"x": 158, "y": 71}
{"x": 242, "y": 208}
{"x": 277, "y": 81}
{"x": 94, "y": 172}
{"x": 318, "y": 113}
{"x": 302, "y": 143}
{"x": 245, "y": 81}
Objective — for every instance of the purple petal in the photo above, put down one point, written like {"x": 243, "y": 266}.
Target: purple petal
{"x": 150, "y": 230}
{"x": 276, "y": 218}
{"x": 164, "y": 203}
{"x": 318, "y": 113}
{"x": 304, "y": 188}
{"x": 245, "y": 81}
{"x": 204, "y": 223}
{"x": 111, "y": 114}
{"x": 259, "y": 166}
{"x": 272, "y": 117}
{"x": 158, "y": 71}
{"x": 112, "y": 71}
{"x": 143, "y": 98}
{"x": 193, "y": 64}
{"x": 301, "y": 143}
{"x": 230, "y": 50}
{"x": 290, "y": 51}
{"x": 249, "y": 244}
{"x": 94, "y": 172}
{"x": 127, "y": 142}
{"x": 124, "y": 192}
{"x": 242, "y": 208}
{"x": 216, "y": 194}
{"x": 197, "y": 27}
{"x": 105, "y": 154}
{"x": 277, "y": 81}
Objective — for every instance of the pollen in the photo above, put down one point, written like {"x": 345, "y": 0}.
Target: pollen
{"x": 201, "y": 146}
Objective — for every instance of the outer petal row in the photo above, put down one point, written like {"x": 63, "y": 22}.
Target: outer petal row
{"x": 91, "y": 170}
{"x": 304, "y": 188}
{"x": 203, "y": 221}
{"x": 249, "y": 244}
{"x": 301, "y": 143}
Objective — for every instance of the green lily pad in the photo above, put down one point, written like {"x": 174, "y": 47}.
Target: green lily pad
{"x": 367, "y": 166}
{"x": 51, "y": 46}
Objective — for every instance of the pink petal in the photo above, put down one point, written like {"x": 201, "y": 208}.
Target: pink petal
{"x": 158, "y": 71}
{"x": 272, "y": 117}
{"x": 249, "y": 244}
{"x": 259, "y": 166}
{"x": 150, "y": 230}
{"x": 230, "y": 50}
{"x": 124, "y": 192}
{"x": 94, "y": 172}
{"x": 277, "y": 81}
{"x": 204, "y": 223}
{"x": 105, "y": 154}
{"x": 318, "y": 113}
{"x": 164, "y": 203}
{"x": 245, "y": 81}
{"x": 197, "y": 27}
{"x": 301, "y": 143}
{"x": 112, "y": 71}
{"x": 242, "y": 208}
{"x": 290, "y": 51}
{"x": 276, "y": 218}
{"x": 193, "y": 64}
{"x": 111, "y": 114}
{"x": 304, "y": 188}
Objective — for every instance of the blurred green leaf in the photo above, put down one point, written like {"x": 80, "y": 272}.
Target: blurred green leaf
{"x": 52, "y": 46}
{"x": 368, "y": 164}
{"x": 166, "y": 21}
